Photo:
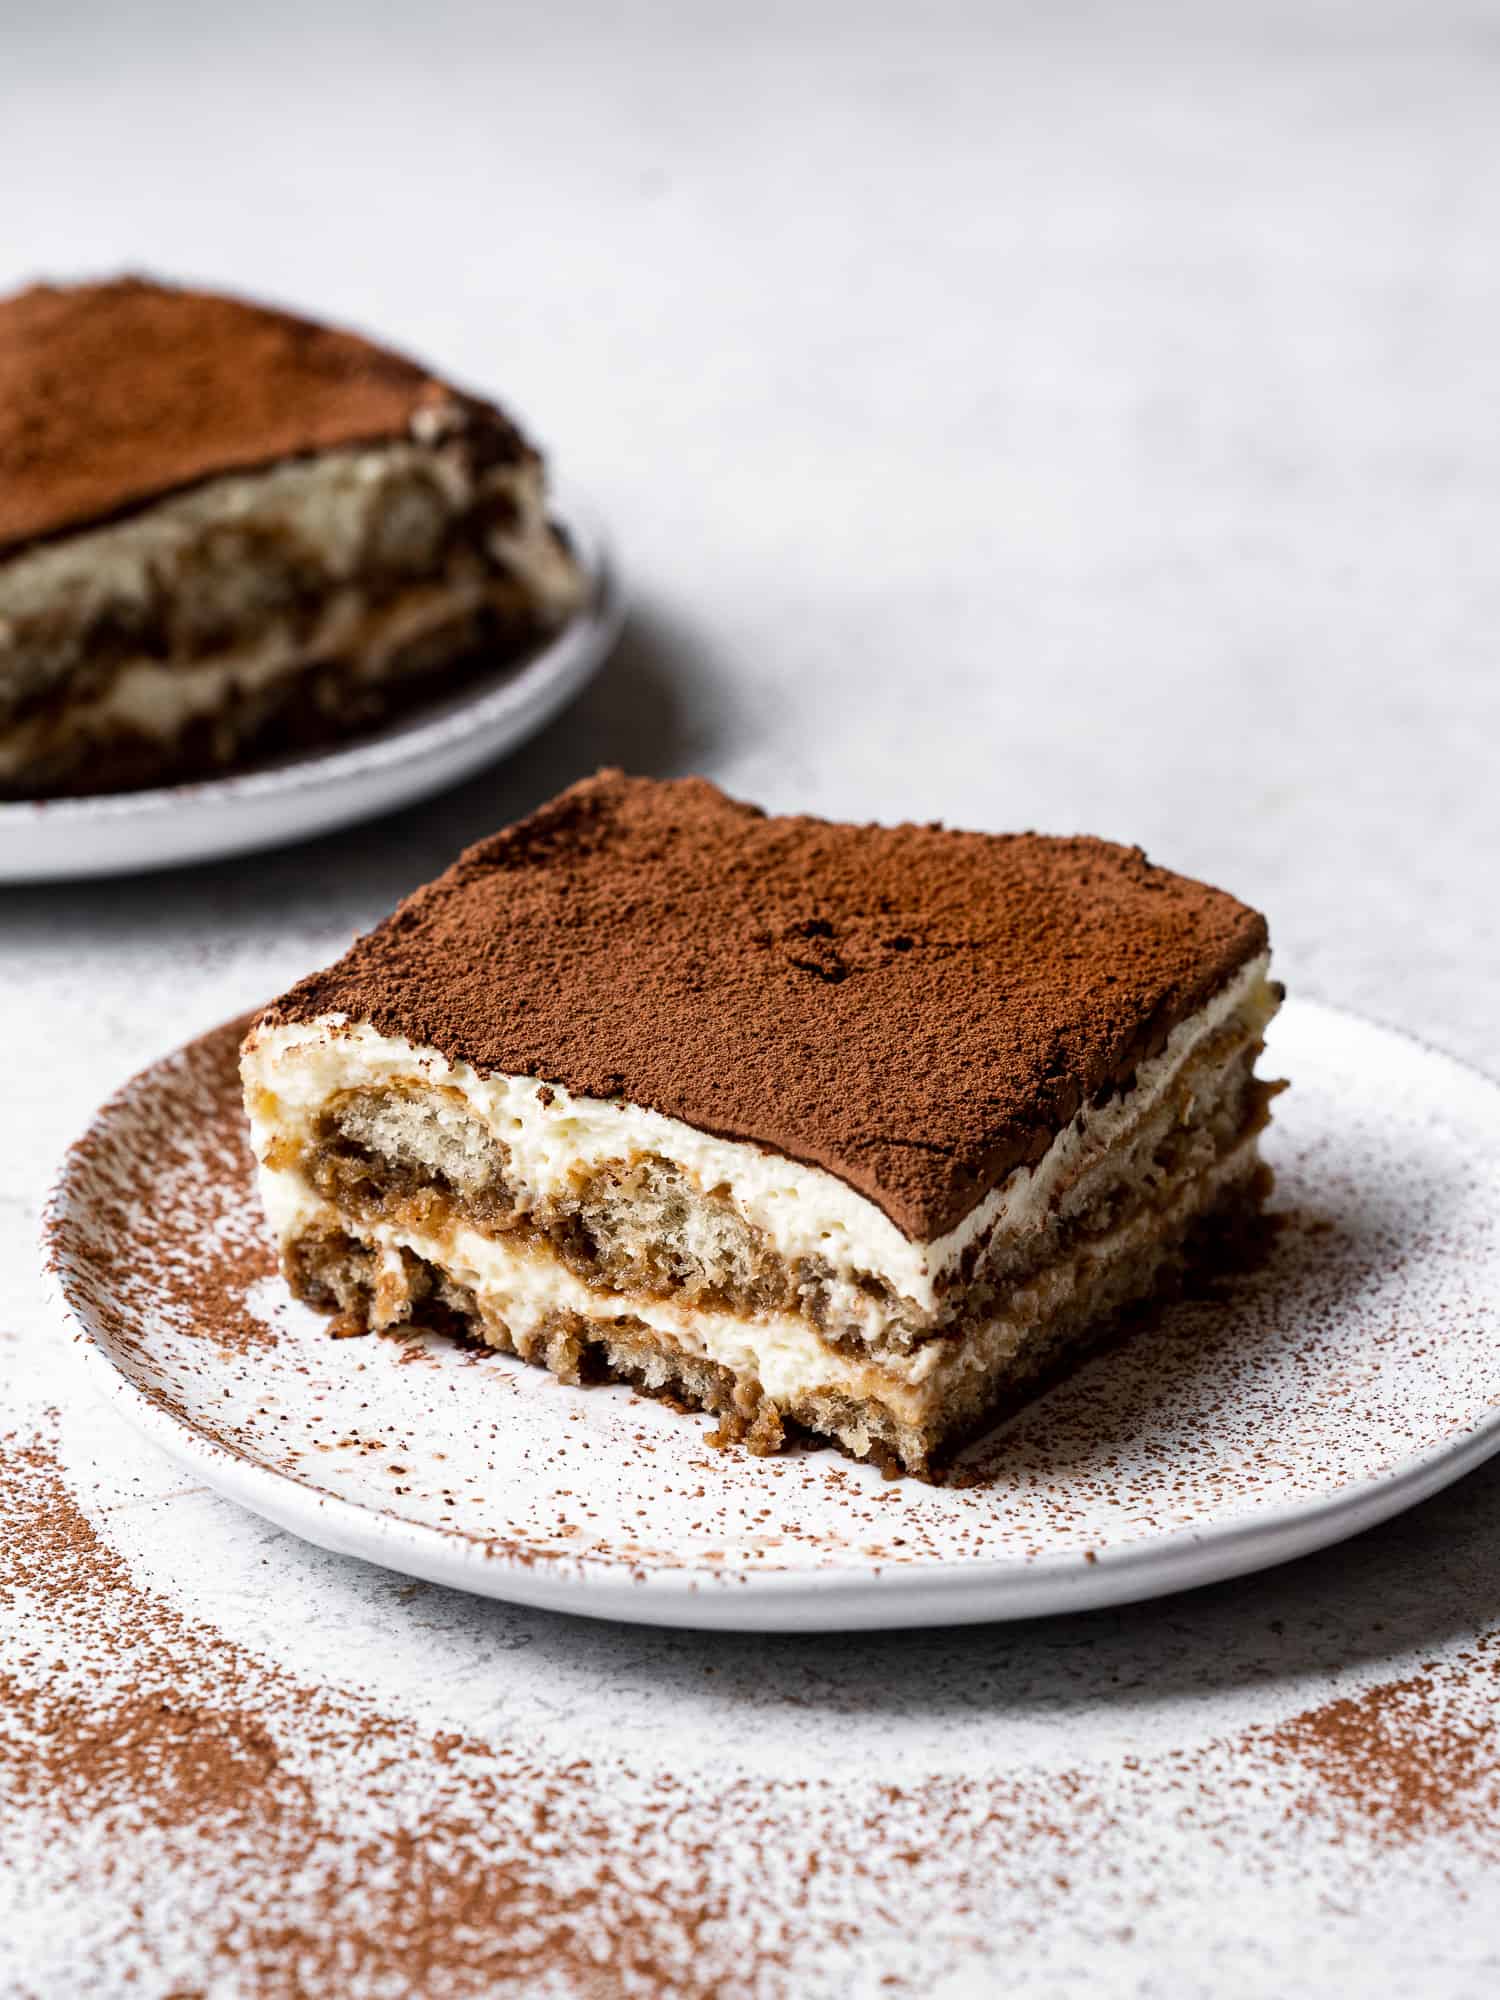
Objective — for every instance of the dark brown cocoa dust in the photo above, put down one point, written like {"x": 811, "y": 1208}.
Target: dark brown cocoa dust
{"x": 115, "y": 394}
{"x": 914, "y": 1009}
{"x": 228, "y": 1821}
{"x": 197, "y": 1145}
{"x": 1398, "y": 1760}
{"x": 332, "y": 1844}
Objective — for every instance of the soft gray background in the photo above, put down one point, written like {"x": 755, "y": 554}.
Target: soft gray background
{"x": 1081, "y": 417}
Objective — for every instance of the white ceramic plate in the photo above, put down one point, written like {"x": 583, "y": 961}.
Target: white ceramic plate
{"x": 293, "y": 798}
{"x": 1355, "y": 1371}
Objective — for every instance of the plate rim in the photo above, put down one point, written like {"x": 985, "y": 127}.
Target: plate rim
{"x": 836, "y": 1597}
{"x": 570, "y": 656}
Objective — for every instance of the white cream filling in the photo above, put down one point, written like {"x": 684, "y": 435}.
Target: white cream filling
{"x": 290, "y": 1072}
{"x": 779, "y": 1350}
{"x": 526, "y": 1289}
{"x": 534, "y": 556}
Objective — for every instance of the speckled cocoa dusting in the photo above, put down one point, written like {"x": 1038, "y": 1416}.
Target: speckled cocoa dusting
{"x": 914, "y": 1009}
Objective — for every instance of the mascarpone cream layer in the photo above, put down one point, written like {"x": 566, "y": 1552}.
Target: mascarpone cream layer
{"x": 291, "y": 1071}
{"x": 527, "y": 1290}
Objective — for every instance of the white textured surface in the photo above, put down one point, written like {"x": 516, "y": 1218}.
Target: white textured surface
{"x": 1079, "y": 419}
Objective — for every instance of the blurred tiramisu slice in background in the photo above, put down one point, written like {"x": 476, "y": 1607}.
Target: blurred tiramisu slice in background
{"x": 226, "y": 530}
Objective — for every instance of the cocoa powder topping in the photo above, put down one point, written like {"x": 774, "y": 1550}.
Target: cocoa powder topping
{"x": 115, "y": 394}
{"x": 915, "y": 1010}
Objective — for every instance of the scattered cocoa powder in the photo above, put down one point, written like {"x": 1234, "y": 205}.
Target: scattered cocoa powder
{"x": 1398, "y": 1761}
{"x": 223, "y": 1820}
{"x": 199, "y": 1147}
{"x": 331, "y": 1843}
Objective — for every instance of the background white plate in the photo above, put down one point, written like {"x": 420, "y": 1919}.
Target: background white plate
{"x": 1353, "y": 1372}
{"x": 293, "y": 798}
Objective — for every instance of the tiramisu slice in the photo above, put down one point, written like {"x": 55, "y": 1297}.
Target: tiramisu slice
{"x": 225, "y": 530}
{"x": 867, "y": 1130}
